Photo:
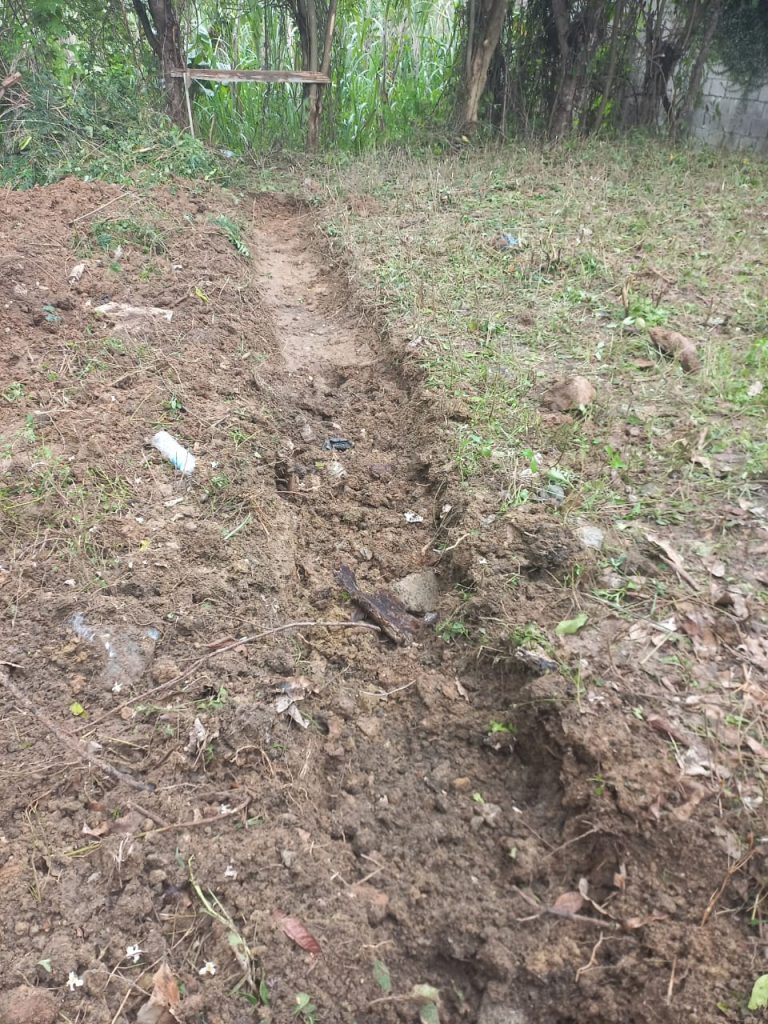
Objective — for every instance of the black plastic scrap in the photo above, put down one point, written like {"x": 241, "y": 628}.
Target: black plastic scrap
{"x": 383, "y": 608}
{"x": 338, "y": 444}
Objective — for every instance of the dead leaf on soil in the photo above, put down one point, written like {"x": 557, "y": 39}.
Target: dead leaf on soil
{"x": 696, "y": 626}
{"x": 461, "y": 690}
{"x": 674, "y": 558}
{"x": 756, "y": 650}
{"x": 714, "y": 565}
{"x": 98, "y": 832}
{"x": 731, "y": 600}
{"x": 757, "y": 748}
{"x": 568, "y": 903}
{"x": 296, "y": 931}
{"x": 620, "y": 877}
{"x": 633, "y": 923}
{"x": 685, "y": 810}
{"x": 678, "y": 346}
{"x": 570, "y": 394}
{"x": 164, "y": 1001}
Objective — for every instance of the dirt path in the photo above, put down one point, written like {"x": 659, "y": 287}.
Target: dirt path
{"x": 436, "y": 803}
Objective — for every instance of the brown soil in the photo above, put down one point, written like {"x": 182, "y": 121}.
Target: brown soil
{"x": 398, "y": 827}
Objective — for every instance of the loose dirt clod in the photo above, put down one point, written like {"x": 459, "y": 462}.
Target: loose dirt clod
{"x": 678, "y": 346}
{"x": 27, "y": 1005}
{"x": 570, "y": 395}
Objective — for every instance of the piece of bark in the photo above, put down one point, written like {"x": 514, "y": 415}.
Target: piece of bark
{"x": 382, "y": 607}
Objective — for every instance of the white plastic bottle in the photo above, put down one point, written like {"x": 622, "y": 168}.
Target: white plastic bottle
{"x": 177, "y": 455}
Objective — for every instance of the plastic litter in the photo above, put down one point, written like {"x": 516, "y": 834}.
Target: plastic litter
{"x": 338, "y": 444}
{"x": 505, "y": 241}
{"x": 413, "y": 517}
{"x": 178, "y": 456}
{"x": 128, "y": 650}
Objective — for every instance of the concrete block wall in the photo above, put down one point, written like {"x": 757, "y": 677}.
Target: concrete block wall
{"x": 729, "y": 116}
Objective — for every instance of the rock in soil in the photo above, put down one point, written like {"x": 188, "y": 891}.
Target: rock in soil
{"x": 419, "y": 592}
{"x": 27, "y": 1005}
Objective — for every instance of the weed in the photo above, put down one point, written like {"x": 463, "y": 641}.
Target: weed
{"x": 305, "y": 1008}
{"x": 452, "y": 629}
{"x": 643, "y": 312}
{"x": 215, "y": 702}
{"x": 14, "y": 391}
{"x": 175, "y": 406}
{"x": 232, "y": 233}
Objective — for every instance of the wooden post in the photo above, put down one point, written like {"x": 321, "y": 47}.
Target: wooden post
{"x": 189, "y": 105}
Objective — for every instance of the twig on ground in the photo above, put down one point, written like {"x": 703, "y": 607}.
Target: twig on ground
{"x": 73, "y": 744}
{"x": 240, "y": 642}
{"x": 732, "y": 870}
{"x": 555, "y": 912}
{"x": 591, "y": 963}
{"x": 109, "y": 202}
{"x": 199, "y": 821}
{"x": 671, "y": 985}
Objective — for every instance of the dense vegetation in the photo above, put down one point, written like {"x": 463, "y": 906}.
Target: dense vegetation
{"x": 401, "y": 70}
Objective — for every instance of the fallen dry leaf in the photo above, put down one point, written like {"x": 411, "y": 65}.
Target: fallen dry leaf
{"x": 568, "y": 903}
{"x": 98, "y": 832}
{"x": 633, "y": 923}
{"x": 732, "y": 600}
{"x": 757, "y": 748}
{"x": 164, "y": 1001}
{"x": 678, "y": 346}
{"x": 695, "y": 626}
{"x": 620, "y": 877}
{"x": 573, "y": 393}
{"x": 674, "y": 558}
{"x": 296, "y": 931}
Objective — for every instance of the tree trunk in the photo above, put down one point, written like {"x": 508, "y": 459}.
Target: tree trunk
{"x": 160, "y": 25}
{"x": 316, "y": 98}
{"x": 487, "y": 18}
{"x": 697, "y": 71}
{"x": 562, "y": 110}
{"x": 613, "y": 59}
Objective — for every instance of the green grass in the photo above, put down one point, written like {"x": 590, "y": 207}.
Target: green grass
{"x": 616, "y": 239}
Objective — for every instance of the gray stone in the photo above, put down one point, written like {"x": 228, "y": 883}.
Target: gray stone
{"x": 419, "y": 592}
{"x": 591, "y": 536}
{"x": 492, "y": 1012}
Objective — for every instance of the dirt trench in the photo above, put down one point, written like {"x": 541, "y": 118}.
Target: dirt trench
{"x": 438, "y": 801}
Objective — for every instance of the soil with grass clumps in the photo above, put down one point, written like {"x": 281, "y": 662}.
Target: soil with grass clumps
{"x": 212, "y": 760}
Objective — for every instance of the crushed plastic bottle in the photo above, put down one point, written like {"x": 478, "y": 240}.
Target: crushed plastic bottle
{"x": 128, "y": 650}
{"x": 178, "y": 456}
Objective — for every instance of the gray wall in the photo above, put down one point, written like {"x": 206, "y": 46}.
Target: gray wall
{"x": 729, "y": 116}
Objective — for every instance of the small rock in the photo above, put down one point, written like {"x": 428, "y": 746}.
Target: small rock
{"x": 307, "y": 433}
{"x": 591, "y": 536}
{"x": 492, "y": 1012}
{"x": 419, "y": 592}
{"x": 488, "y": 813}
{"x": 288, "y": 857}
{"x": 21, "y": 928}
{"x": 368, "y": 725}
{"x": 462, "y": 784}
{"x": 27, "y": 1005}
{"x": 381, "y": 471}
{"x": 572, "y": 393}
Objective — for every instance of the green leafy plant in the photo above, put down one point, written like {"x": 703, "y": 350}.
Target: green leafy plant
{"x": 305, "y": 1008}
{"x": 232, "y": 233}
